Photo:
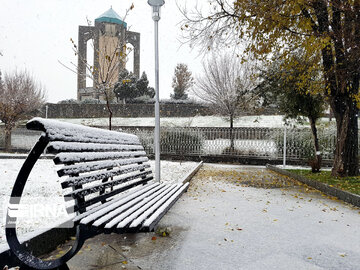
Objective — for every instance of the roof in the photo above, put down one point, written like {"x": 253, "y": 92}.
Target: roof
{"x": 110, "y": 16}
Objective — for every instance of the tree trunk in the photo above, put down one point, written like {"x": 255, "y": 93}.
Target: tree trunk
{"x": 7, "y": 140}
{"x": 316, "y": 163}
{"x": 110, "y": 114}
{"x": 346, "y": 153}
{"x": 107, "y": 97}
{"x": 232, "y": 146}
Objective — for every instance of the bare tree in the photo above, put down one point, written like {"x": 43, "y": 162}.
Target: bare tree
{"x": 20, "y": 97}
{"x": 228, "y": 86}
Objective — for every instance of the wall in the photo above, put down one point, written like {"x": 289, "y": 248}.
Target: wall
{"x": 121, "y": 110}
{"x": 128, "y": 110}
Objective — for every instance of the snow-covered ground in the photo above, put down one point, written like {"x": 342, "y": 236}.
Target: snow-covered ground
{"x": 239, "y": 217}
{"x": 196, "y": 121}
{"x": 44, "y": 184}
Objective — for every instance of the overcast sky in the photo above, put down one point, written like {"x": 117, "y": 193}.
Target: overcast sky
{"x": 36, "y": 34}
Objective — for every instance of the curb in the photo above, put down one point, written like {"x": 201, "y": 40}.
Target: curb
{"x": 190, "y": 175}
{"x": 345, "y": 196}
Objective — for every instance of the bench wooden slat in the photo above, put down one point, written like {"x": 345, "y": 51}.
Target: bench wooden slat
{"x": 119, "y": 217}
{"x": 73, "y": 157}
{"x": 111, "y": 211}
{"x": 140, "y": 219}
{"x": 128, "y": 195}
{"x": 99, "y": 175}
{"x": 79, "y": 193}
{"x": 82, "y": 206}
{"x": 61, "y": 131}
{"x": 60, "y": 146}
{"x": 98, "y": 165}
{"x": 160, "y": 199}
{"x": 150, "y": 223}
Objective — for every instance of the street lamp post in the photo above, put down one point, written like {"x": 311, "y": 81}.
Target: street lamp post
{"x": 156, "y": 5}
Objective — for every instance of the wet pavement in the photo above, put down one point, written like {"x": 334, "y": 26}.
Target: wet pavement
{"x": 236, "y": 217}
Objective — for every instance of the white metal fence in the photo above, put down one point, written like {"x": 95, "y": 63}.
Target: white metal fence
{"x": 242, "y": 142}
{"x": 247, "y": 142}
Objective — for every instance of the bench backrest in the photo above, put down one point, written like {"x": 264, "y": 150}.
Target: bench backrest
{"x": 98, "y": 164}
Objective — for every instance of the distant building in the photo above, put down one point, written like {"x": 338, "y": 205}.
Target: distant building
{"x": 109, "y": 33}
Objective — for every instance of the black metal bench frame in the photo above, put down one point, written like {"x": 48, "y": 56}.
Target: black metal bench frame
{"x": 83, "y": 232}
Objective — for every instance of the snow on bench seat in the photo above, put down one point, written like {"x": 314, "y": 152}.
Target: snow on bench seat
{"x": 136, "y": 207}
{"x": 150, "y": 223}
{"x": 166, "y": 200}
{"x": 115, "y": 202}
{"x": 111, "y": 211}
{"x": 150, "y": 206}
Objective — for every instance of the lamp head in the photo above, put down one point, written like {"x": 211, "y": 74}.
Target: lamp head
{"x": 156, "y": 5}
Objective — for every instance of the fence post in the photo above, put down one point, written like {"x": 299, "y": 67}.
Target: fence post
{"x": 284, "y": 150}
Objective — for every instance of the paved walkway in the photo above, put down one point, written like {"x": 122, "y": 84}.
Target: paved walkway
{"x": 235, "y": 217}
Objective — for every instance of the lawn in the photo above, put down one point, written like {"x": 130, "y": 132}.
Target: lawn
{"x": 350, "y": 184}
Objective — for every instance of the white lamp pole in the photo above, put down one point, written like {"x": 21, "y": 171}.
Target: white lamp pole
{"x": 156, "y": 5}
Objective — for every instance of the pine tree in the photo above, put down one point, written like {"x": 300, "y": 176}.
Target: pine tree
{"x": 182, "y": 81}
{"x": 125, "y": 89}
{"x": 129, "y": 87}
{"x": 143, "y": 88}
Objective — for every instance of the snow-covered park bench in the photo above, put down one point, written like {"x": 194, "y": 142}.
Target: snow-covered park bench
{"x": 108, "y": 178}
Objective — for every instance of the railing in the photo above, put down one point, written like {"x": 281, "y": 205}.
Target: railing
{"x": 244, "y": 142}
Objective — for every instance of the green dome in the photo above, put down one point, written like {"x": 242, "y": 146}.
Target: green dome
{"x": 110, "y": 16}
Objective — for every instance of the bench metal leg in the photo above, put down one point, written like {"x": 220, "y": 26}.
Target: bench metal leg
{"x": 30, "y": 261}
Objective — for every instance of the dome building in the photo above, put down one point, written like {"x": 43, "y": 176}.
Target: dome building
{"x": 110, "y": 38}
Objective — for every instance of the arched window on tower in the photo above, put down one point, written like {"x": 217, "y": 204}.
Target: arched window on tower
{"x": 90, "y": 62}
{"x": 129, "y": 57}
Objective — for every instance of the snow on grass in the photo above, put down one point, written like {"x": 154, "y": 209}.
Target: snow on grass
{"x": 269, "y": 121}
{"x": 196, "y": 121}
{"x": 44, "y": 182}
